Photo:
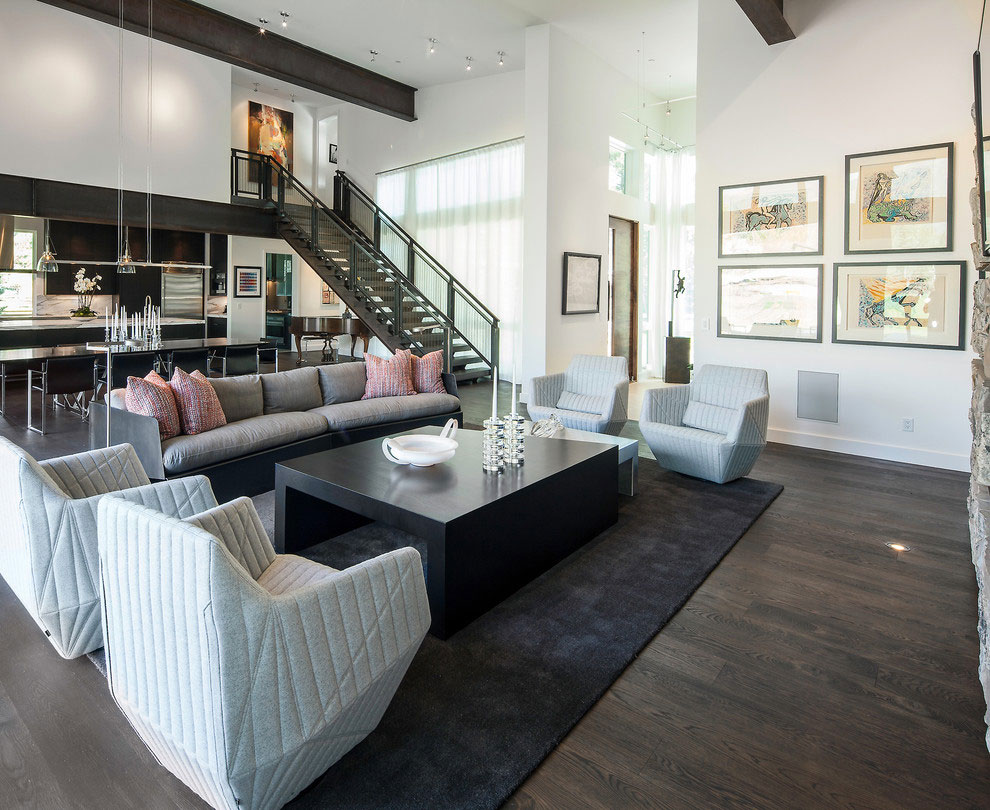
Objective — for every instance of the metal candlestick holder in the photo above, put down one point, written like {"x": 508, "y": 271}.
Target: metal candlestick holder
{"x": 493, "y": 445}
{"x": 515, "y": 439}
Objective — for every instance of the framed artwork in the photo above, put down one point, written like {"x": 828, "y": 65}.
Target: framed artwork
{"x": 247, "y": 282}
{"x": 333, "y": 153}
{"x": 899, "y": 201}
{"x": 328, "y": 296}
{"x": 582, "y": 283}
{"x": 771, "y": 303}
{"x": 919, "y": 304}
{"x": 779, "y": 218}
{"x": 270, "y": 132}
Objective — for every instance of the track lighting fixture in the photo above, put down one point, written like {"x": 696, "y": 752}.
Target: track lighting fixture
{"x": 256, "y": 86}
{"x": 468, "y": 60}
{"x": 433, "y": 45}
{"x": 262, "y": 26}
{"x": 285, "y": 18}
{"x": 374, "y": 54}
{"x": 501, "y": 58}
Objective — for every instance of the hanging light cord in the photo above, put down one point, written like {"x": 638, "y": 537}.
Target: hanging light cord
{"x": 120, "y": 129}
{"x": 983, "y": 16}
{"x": 151, "y": 8}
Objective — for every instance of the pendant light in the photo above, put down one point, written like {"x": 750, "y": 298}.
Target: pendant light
{"x": 125, "y": 264}
{"x": 47, "y": 263}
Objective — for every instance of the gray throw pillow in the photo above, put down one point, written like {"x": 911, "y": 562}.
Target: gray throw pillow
{"x": 342, "y": 382}
{"x": 240, "y": 397}
{"x": 296, "y": 390}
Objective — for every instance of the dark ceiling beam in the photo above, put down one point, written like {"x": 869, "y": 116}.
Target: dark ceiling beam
{"x": 217, "y": 35}
{"x": 768, "y": 18}
{"x": 52, "y": 199}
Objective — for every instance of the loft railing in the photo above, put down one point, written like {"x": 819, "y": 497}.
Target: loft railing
{"x": 477, "y": 324}
{"x": 369, "y": 274}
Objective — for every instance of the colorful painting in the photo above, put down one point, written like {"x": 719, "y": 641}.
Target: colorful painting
{"x": 908, "y": 304}
{"x": 270, "y": 132}
{"x": 771, "y": 303}
{"x": 899, "y": 201}
{"x": 780, "y": 218}
{"x": 247, "y": 282}
{"x": 328, "y": 295}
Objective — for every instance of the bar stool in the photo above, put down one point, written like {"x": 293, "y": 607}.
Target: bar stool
{"x": 124, "y": 365}
{"x": 60, "y": 376}
{"x": 268, "y": 354}
{"x": 14, "y": 372}
{"x": 237, "y": 360}
{"x": 189, "y": 360}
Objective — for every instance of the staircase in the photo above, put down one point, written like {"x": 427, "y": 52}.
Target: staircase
{"x": 401, "y": 293}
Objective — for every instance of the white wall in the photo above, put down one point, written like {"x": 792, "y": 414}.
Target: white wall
{"x": 797, "y": 109}
{"x": 60, "y": 96}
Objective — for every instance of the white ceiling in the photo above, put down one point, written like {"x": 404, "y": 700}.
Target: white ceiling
{"x": 400, "y": 30}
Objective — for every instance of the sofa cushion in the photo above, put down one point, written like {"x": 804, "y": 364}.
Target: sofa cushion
{"x": 426, "y": 373}
{"x": 184, "y": 453}
{"x": 240, "y": 397}
{"x": 342, "y": 382}
{"x": 152, "y": 396}
{"x": 388, "y": 376}
{"x": 296, "y": 390}
{"x": 583, "y": 403}
{"x": 713, "y": 418}
{"x": 199, "y": 408}
{"x": 378, "y": 411}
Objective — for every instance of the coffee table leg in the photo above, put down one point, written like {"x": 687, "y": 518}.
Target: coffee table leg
{"x": 629, "y": 475}
{"x": 303, "y": 520}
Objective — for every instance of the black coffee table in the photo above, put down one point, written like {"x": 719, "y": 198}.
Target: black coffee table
{"x": 486, "y": 535}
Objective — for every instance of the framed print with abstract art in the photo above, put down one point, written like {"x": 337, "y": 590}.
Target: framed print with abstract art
{"x": 771, "y": 303}
{"x": 270, "y": 132}
{"x": 247, "y": 282}
{"x": 899, "y": 201}
{"x": 918, "y": 304}
{"x": 328, "y": 296}
{"x": 582, "y": 283}
{"x": 780, "y": 218}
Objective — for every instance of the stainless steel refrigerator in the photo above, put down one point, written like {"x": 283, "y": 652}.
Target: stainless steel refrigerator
{"x": 182, "y": 294}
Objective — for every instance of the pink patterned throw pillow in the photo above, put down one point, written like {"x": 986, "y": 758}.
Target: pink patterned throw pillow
{"x": 388, "y": 377}
{"x": 199, "y": 406}
{"x": 152, "y": 397}
{"x": 426, "y": 371}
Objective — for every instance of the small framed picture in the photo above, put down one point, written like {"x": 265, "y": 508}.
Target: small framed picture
{"x": 777, "y": 218}
{"x": 771, "y": 303}
{"x": 915, "y": 304}
{"x": 328, "y": 296}
{"x": 333, "y": 153}
{"x": 899, "y": 201}
{"x": 247, "y": 282}
{"x": 582, "y": 283}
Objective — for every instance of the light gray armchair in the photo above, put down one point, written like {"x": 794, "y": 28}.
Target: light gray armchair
{"x": 248, "y": 673}
{"x": 714, "y": 428}
{"x": 593, "y": 394}
{"x": 48, "y": 553}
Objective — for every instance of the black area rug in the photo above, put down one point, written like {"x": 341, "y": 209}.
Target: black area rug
{"x": 477, "y": 714}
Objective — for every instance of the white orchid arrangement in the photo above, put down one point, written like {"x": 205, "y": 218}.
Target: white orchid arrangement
{"x": 85, "y": 285}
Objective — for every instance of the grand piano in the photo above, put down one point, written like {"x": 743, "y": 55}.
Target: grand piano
{"x": 327, "y": 327}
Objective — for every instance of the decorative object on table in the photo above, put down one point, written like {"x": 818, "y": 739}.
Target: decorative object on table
{"x": 771, "y": 303}
{"x": 515, "y": 427}
{"x": 778, "y": 218}
{"x": 141, "y": 330}
{"x": 247, "y": 282}
{"x": 270, "y": 133}
{"x": 419, "y": 450}
{"x": 582, "y": 283}
{"x": 900, "y": 200}
{"x": 916, "y": 304}
{"x": 493, "y": 437}
{"x": 85, "y": 289}
{"x": 545, "y": 428}
{"x": 715, "y": 428}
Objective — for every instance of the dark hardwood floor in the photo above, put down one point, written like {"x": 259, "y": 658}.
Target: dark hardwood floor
{"x": 813, "y": 668}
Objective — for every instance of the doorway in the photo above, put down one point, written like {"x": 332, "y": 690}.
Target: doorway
{"x": 623, "y": 284}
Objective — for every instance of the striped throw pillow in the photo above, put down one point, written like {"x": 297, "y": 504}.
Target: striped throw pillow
{"x": 426, "y": 371}
{"x": 388, "y": 377}
{"x": 153, "y": 397}
{"x": 199, "y": 406}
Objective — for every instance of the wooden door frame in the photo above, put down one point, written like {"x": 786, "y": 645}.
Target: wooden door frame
{"x": 633, "y": 358}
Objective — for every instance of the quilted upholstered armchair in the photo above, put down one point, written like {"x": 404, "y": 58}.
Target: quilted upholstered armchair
{"x": 248, "y": 673}
{"x": 714, "y": 428}
{"x": 593, "y": 394}
{"x": 48, "y": 542}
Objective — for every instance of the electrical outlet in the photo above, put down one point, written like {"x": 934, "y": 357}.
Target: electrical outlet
{"x": 706, "y": 324}
{"x": 907, "y": 425}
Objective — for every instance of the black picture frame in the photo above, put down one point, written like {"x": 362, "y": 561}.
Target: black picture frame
{"x": 949, "y": 211}
{"x": 960, "y": 342}
{"x": 332, "y": 153}
{"x": 568, "y": 278}
{"x": 821, "y": 296}
{"x": 237, "y": 281}
{"x": 819, "y": 251}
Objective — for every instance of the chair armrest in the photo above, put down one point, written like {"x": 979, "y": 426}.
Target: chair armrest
{"x": 619, "y": 405}
{"x": 665, "y": 405}
{"x": 750, "y": 426}
{"x": 133, "y": 428}
{"x": 236, "y": 524}
{"x": 180, "y": 497}
{"x": 546, "y": 390}
{"x": 97, "y": 472}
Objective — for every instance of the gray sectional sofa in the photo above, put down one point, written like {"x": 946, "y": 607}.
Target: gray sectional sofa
{"x": 270, "y": 418}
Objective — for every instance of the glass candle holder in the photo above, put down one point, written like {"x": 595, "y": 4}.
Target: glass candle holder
{"x": 515, "y": 440}
{"x": 493, "y": 446}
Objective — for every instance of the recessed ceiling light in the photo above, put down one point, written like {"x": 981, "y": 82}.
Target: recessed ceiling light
{"x": 897, "y": 546}
{"x": 501, "y": 58}
{"x": 468, "y": 60}
{"x": 262, "y": 23}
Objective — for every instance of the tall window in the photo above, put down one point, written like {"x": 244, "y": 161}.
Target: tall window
{"x": 17, "y": 288}
{"x": 467, "y": 210}
{"x": 618, "y": 165}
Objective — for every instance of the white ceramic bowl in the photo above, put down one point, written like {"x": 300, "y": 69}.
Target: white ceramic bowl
{"x": 419, "y": 450}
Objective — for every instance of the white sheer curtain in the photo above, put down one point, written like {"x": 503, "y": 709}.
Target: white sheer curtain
{"x": 675, "y": 229}
{"x": 467, "y": 210}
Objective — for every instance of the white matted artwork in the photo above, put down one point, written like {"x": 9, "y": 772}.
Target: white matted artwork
{"x": 771, "y": 303}
{"x": 917, "y": 304}
{"x": 778, "y": 218}
{"x": 582, "y": 283}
